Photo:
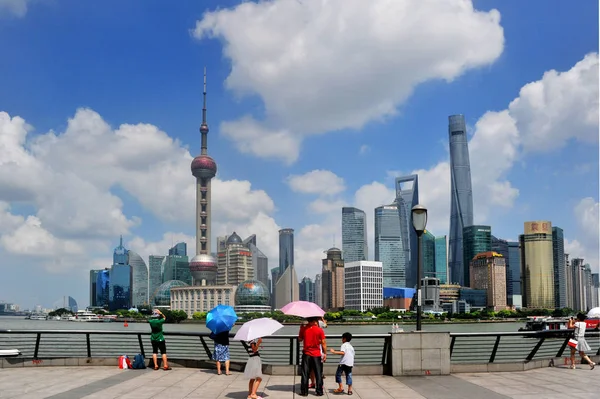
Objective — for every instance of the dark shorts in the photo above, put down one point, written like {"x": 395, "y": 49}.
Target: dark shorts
{"x": 156, "y": 345}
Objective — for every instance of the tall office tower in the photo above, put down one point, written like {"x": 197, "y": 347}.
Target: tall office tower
{"x": 354, "y": 234}
{"x": 176, "y": 267}
{"x": 587, "y": 287}
{"x": 120, "y": 280}
{"x": 287, "y": 287}
{"x": 139, "y": 286}
{"x": 332, "y": 280}
{"x": 569, "y": 283}
{"x": 441, "y": 259}
{"x": 179, "y": 249}
{"x": 234, "y": 265}
{"x": 595, "y": 290}
{"x": 103, "y": 288}
{"x": 501, "y": 246}
{"x": 154, "y": 273}
{"x": 461, "y": 197}
{"x": 476, "y": 239}
{"x": 388, "y": 246}
{"x": 577, "y": 269}
{"x": 286, "y": 249}
{"x": 363, "y": 285}
{"x": 428, "y": 242}
{"x": 488, "y": 272}
{"x": 307, "y": 290}
{"x": 536, "y": 263}
{"x": 558, "y": 262}
{"x": 407, "y": 196}
{"x": 274, "y": 279}
{"x": 260, "y": 262}
{"x": 514, "y": 275}
{"x": 318, "y": 290}
{"x": 93, "y": 283}
{"x": 203, "y": 266}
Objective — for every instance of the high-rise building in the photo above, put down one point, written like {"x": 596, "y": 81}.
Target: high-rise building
{"x": 558, "y": 262}
{"x": 139, "y": 286}
{"x": 179, "y": 249}
{"x": 595, "y": 290}
{"x": 388, "y": 246}
{"x": 569, "y": 283}
{"x": 274, "y": 279}
{"x": 120, "y": 294}
{"x": 363, "y": 285}
{"x": 176, "y": 267}
{"x": 286, "y": 290}
{"x": 234, "y": 264}
{"x": 431, "y": 294}
{"x": 441, "y": 259}
{"x": 513, "y": 279}
{"x": 407, "y": 196}
{"x": 332, "y": 280}
{"x": 319, "y": 290}
{"x": 537, "y": 265}
{"x": 103, "y": 288}
{"x": 476, "y": 240}
{"x": 428, "y": 243}
{"x": 260, "y": 262}
{"x": 354, "y": 234}
{"x": 203, "y": 266}
{"x": 488, "y": 272}
{"x": 501, "y": 246}
{"x": 307, "y": 290}
{"x": 587, "y": 287}
{"x": 461, "y": 197}
{"x": 93, "y": 283}
{"x": 154, "y": 273}
{"x": 286, "y": 249}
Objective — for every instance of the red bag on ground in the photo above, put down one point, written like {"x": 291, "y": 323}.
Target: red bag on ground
{"x": 124, "y": 362}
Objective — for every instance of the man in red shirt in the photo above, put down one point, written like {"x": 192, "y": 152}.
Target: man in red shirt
{"x": 313, "y": 338}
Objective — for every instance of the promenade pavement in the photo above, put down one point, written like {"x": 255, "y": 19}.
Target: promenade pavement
{"x": 109, "y": 382}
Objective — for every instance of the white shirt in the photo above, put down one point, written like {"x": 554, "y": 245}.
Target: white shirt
{"x": 348, "y": 358}
{"x": 579, "y": 332}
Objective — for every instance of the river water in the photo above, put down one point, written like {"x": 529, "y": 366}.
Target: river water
{"x": 20, "y": 323}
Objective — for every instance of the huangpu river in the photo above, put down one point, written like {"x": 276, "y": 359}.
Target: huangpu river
{"x": 20, "y": 323}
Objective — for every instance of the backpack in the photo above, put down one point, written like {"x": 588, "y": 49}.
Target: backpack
{"x": 138, "y": 362}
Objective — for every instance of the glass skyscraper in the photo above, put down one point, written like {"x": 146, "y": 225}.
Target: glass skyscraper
{"x": 514, "y": 274}
{"x": 286, "y": 249}
{"x": 558, "y": 258}
{"x": 441, "y": 259}
{"x": 476, "y": 239}
{"x": 102, "y": 288}
{"x": 537, "y": 262}
{"x": 155, "y": 273}
{"x": 461, "y": 197}
{"x": 407, "y": 196}
{"x": 354, "y": 234}
{"x": 179, "y": 249}
{"x": 307, "y": 290}
{"x": 120, "y": 293}
{"x": 389, "y": 247}
{"x": 140, "y": 279}
{"x": 428, "y": 242}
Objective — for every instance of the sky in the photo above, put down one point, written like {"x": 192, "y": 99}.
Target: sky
{"x": 312, "y": 105}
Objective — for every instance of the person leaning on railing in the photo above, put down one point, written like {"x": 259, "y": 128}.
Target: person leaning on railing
{"x": 579, "y": 335}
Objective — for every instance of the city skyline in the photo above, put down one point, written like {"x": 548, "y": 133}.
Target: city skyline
{"x": 110, "y": 153}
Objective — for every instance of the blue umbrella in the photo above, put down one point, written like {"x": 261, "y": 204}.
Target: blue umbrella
{"x": 221, "y": 318}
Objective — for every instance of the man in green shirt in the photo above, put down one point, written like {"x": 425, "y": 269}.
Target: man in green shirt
{"x": 158, "y": 339}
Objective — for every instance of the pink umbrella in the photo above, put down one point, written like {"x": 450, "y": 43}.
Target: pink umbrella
{"x": 303, "y": 309}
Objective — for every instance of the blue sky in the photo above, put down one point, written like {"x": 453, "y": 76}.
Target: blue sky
{"x": 294, "y": 87}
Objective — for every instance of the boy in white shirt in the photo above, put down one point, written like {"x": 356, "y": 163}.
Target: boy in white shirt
{"x": 346, "y": 363}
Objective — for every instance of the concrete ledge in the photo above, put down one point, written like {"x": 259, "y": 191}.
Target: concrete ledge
{"x": 420, "y": 353}
{"x": 511, "y": 366}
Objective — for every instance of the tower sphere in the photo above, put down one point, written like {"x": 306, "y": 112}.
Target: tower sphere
{"x": 204, "y": 166}
{"x": 204, "y": 267}
{"x": 203, "y": 128}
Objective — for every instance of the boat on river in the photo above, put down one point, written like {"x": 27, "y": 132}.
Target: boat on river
{"x": 84, "y": 315}
{"x": 549, "y": 323}
{"x": 37, "y": 316}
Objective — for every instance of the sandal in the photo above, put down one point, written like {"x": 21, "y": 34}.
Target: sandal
{"x": 155, "y": 367}
{"x": 167, "y": 368}
{"x": 338, "y": 390}
{"x": 592, "y": 366}
{"x": 349, "y": 392}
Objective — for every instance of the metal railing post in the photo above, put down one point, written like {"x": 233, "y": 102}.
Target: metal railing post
{"x": 452, "y": 345}
{"x": 206, "y": 349}
{"x": 291, "y": 360}
{"x": 141, "y": 345}
{"x": 89, "y": 346}
{"x": 37, "y": 345}
{"x": 493, "y": 355}
{"x": 535, "y": 349}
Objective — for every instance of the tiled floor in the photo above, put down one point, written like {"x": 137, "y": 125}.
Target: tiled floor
{"x": 108, "y": 382}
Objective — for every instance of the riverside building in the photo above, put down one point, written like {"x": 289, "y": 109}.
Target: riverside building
{"x": 363, "y": 285}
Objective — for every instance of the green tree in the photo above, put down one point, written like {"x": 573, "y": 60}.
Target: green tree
{"x": 199, "y": 316}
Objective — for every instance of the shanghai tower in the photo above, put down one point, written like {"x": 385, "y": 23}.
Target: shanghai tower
{"x": 461, "y": 193}
{"x": 203, "y": 266}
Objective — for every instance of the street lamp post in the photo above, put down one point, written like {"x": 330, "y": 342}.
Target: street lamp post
{"x": 419, "y": 221}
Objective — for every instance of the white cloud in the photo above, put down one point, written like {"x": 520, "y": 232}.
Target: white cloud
{"x": 301, "y": 59}
{"x": 321, "y": 205}
{"x": 322, "y": 182}
{"x": 15, "y": 7}
{"x": 69, "y": 179}
{"x": 587, "y": 246}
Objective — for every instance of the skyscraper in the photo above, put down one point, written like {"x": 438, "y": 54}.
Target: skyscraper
{"x": 235, "y": 262}
{"x": 461, "y": 196}
{"x": 407, "y": 196}
{"x": 260, "y": 262}
{"x": 286, "y": 249}
{"x": 514, "y": 275}
{"x": 428, "y": 243}
{"x": 176, "y": 267}
{"x": 441, "y": 259}
{"x": 389, "y": 248}
{"x": 354, "y": 234}
{"x": 179, "y": 249}
{"x": 476, "y": 240}
{"x": 537, "y": 265}
{"x": 203, "y": 266}
{"x": 139, "y": 286}
{"x": 154, "y": 273}
{"x": 103, "y": 288}
{"x": 558, "y": 262}
{"x": 93, "y": 283}
{"x": 332, "y": 280}
{"x": 488, "y": 272}
{"x": 120, "y": 282}
{"x": 307, "y": 290}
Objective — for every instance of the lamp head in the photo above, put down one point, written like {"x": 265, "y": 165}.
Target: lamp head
{"x": 419, "y": 218}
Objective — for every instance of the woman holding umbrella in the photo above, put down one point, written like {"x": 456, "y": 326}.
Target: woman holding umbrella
{"x": 219, "y": 321}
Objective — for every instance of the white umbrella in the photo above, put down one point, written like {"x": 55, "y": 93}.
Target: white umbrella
{"x": 257, "y": 328}
{"x": 594, "y": 313}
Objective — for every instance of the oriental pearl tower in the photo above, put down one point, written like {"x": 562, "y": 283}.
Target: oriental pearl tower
{"x": 203, "y": 266}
